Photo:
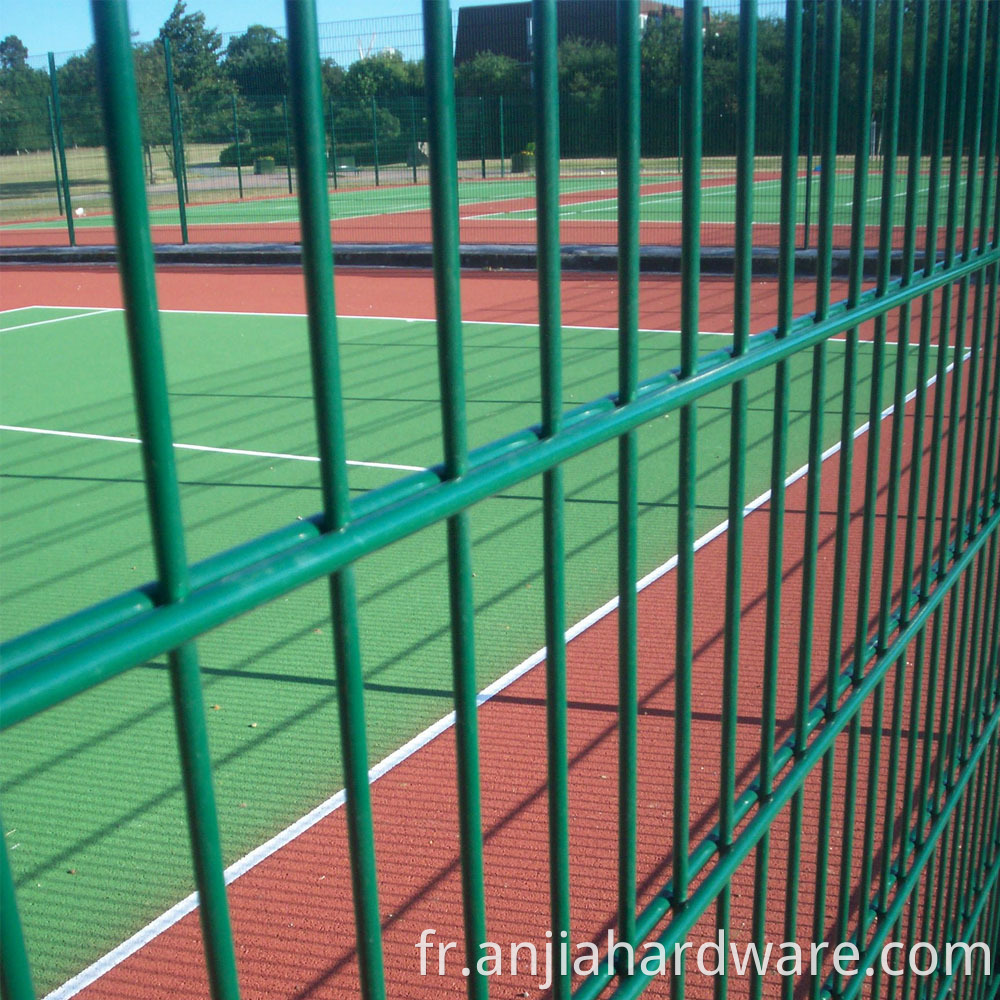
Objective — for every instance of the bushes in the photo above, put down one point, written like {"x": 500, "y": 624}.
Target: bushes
{"x": 249, "y": 153}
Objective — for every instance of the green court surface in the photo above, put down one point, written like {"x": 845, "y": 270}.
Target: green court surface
{"x": 345, "y": 203}
{"x": 488, "y": 199}
{"x": 91, "y": 792}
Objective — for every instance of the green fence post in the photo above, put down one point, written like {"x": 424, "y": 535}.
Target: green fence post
{"x": 119, "y": 101}
{"x": 680, "y": 135}
{"x": 236, "y": 140}
{"x": 810, "y": 113}
{"x": 333, "y": 145}
{"x": 443, "y": 176}
{"x": 55, "y": 152}
{"x": 175, "y": 139}
{"x": 184, "y": 169}
{"x": 15, "y": 971}
{"x": 413, "y": 134}
{"x": 550, "y": 336}
{"x": 503, "y": 167}
{"x": 482, "y": 138}
{"x": 691, "y": 86}
{"x": 305, "y": 88}
{"x": 54, "y": 82}
{"x": 288, "y": 143}
{"x": 375, "y": 139}
{"x": 628, "y": 461}
{"x": 791, "y": 88}
{"x": 742, "y": 279}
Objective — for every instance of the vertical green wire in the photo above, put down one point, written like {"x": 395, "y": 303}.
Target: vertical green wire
{"x": 691, "y": 88}
{"x": 972, "y": 621}
{"x": 628, "y": 459}
{"x": 846, "y": 466}
{"x": 742, "y": 279}
{"x": 779, "y": 444}
{"x": 57, "y": 112}
{"x": 831, "y": 54}
{"x": 940, "y": 63}
{"x": 970, "y": 119}
{"x": 119, "y": 101}
{"x": 550, "y": 330}
{"x": 15, "y": 971}
{"x": 872, "y": 469}
{"x": 317, "y": 259}
{"x": 893, "y": 490}
{"x": 944, "y": 773}
{"x": 916, "y": 104}
{"x": 443, "y": 173}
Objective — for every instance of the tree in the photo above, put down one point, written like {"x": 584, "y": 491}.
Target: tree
{"x": 194, "y": 48}
{"x": 13, "y": 53}
{"x": 384, "y": 75}
{"x": 23, "y": 116}
{"x": 489, "y": 73}
{"x": 257, "y": 62}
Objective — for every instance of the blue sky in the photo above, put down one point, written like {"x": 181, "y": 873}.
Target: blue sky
{"x": 64, "y": 25}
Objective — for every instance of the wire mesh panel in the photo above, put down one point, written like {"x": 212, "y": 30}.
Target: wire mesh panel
{"x": 854, "y": 802}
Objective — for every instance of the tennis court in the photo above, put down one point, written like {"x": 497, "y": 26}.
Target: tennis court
{"x": 105, "y": 763}
{"x": 498, "y": 210}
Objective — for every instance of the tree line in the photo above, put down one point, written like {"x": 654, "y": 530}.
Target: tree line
{"x": 250, "y": 72}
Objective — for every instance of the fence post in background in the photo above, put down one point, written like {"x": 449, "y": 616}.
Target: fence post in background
{"x": 503, "y": 170}
{"x": 375, "y": 138}
{"x": 680, "y": 131}
{"x": 288, "y": 144}
{"x": 482, "y": 138}
{"x": 333, "y": 146}
{"x": 175, "y": 139}
{"x": 184, "y": 166}
{"x": 413, "y": 134}
{"x": 236, "y": 140}
{"x": 55, "y": 152}
{"x": 62, "y": 149}
{"x": 810, "y": 114}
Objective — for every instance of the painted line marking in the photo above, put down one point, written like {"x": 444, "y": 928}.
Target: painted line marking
{"x": 56, "y": 319}
{"x": 206, "y": 447}
{"x": 839, "y": 339}
{"x": 187, "y": 905}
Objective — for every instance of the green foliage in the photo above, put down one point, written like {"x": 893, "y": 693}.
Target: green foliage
{"x": 193, "y": 47}
{"x": 24, "y": 123}
{"x": 384, "y": 75}
{"x": 490, "y": 74}
{"x": 13, "y": 53}
{"x": 257, "y": 62}
{"x": 249, "y": 153}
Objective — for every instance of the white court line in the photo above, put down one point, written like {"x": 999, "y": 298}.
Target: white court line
{"x": 838, "y": 339}
{"x": 187, "y": 905}
{"x": 57, "y": 319}
{"x": 206, "y": 447}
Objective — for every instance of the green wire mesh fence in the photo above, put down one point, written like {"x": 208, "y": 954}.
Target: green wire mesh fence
{"x": 896, "y": 682}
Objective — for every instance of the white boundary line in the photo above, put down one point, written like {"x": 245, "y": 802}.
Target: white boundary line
{"x": 56, "y": 319}
{"x": 206, "y": 447}
{"x": 179, "y": 910}
{"x": 432, "y": 319}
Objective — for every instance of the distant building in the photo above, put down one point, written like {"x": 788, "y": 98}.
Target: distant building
{"x": 505, "y": 28}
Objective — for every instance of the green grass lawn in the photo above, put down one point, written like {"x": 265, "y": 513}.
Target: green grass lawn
{"x": 91, "y": 792}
